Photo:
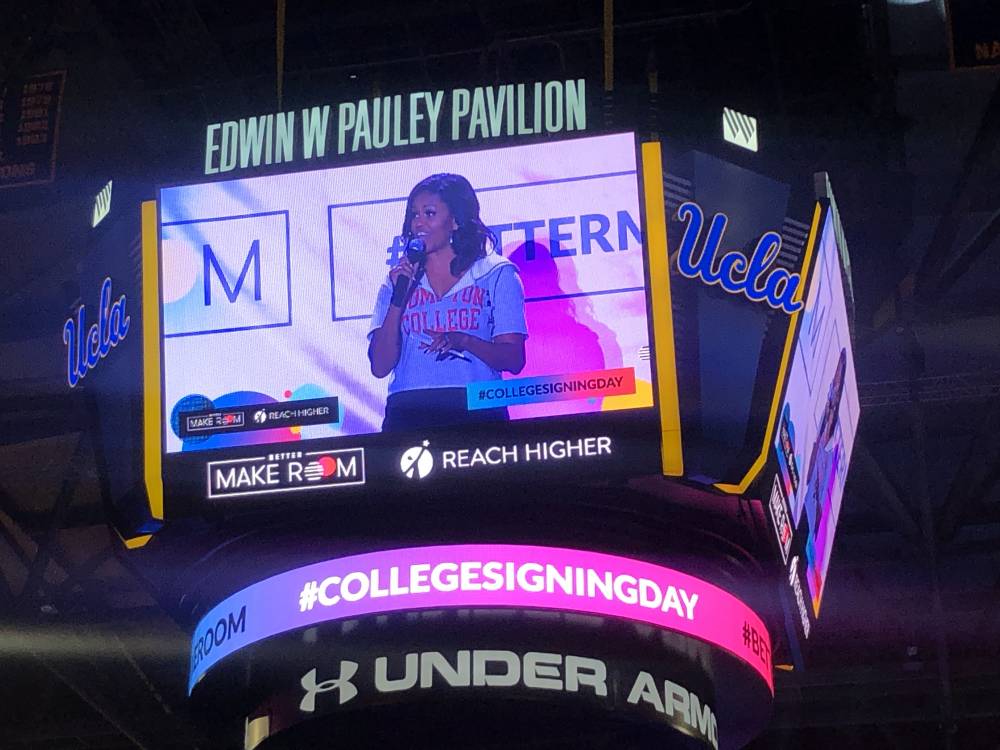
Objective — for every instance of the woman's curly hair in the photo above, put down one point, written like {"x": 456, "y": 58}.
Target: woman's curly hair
{"x": 469, "y": 240}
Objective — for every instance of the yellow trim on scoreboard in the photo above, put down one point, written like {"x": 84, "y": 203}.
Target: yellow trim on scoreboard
{"x": 151, "y": 422}
{"x": 136, "y": 541}
{"x": 779, "y": 388}
{"x": 662, "y": 311}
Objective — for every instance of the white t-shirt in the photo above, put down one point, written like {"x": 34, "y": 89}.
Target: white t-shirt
{"x": 487, "y": 301}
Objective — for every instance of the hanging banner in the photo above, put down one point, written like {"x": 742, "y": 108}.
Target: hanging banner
{"x": 29, "y": 129}
{"x": 973, "y": 33}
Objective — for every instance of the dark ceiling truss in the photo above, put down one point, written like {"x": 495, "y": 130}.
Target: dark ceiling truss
{"x": 977, "y": 473}
{"x": 886, "y": 498}
{"x": 192, "y": 60}
{"x": 976, "y": 476}
{"x": 940, "y": 259}
{"x": 920, "y": 489}
{"x": 27, "y": 27}
{"x": 965, "y": 385}
{"x": 66, "y": 618}
{"x": 60, "y": 506}
{"x": 32, "y": 522}
{"x": 75, "y": 582}
{"x": 941, "y": 265}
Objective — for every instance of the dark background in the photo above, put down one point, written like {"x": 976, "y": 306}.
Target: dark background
{"x": 907, "y": 650}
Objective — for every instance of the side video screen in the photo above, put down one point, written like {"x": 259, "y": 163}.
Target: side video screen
{"x": 817, "y": 426}
{"x": 491, "y": 286}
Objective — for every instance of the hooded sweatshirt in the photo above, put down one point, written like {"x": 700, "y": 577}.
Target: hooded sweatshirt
{"x": 487, "y": 301}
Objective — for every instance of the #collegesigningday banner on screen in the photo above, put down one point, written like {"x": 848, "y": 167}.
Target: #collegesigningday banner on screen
{"x": 514, "y": 576}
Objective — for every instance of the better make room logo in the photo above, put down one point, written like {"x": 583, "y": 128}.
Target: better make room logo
{"x": 285, "y": 472}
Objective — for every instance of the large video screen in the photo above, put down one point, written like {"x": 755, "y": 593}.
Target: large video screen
{"x": 500, "y": 285}
{"x": 818, "y": 422}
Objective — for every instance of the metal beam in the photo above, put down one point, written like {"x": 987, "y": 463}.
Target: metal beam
{"x": 982, "y": 456}
{"x": 939, "y": 267}
{"x": 93, "y": 661}
{"x": 977, "y": 165}
{"x": 966, "y": 257}
{"x": 44, "y": 553}
{"x": 932, "y": 388}
{"x": 74, "y": 573}
{"x": 921, "y": 489}
{"x": 891, "y": 506}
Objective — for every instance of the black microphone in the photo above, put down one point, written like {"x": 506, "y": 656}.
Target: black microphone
{"x": 416, "y": 253}
{"x": 416, "y": 250}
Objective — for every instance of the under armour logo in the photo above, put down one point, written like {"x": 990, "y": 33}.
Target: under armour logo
{"x": 342, "y": 684}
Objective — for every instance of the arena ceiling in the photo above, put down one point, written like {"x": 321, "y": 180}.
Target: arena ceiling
{"x": 907, "y": 653}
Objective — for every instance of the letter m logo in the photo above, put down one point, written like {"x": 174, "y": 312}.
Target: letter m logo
{"x": 227, "y": 274}
{"x": 232, "y": 292}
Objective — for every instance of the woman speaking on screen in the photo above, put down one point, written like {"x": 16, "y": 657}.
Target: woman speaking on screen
{"x": 448, "y": 316}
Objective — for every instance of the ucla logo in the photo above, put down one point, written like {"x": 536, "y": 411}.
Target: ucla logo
{"x": 85, "y": 350}
{"x": 752, "y": 277}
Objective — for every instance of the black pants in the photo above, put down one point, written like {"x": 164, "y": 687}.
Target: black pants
{"x": 434, "y": 407}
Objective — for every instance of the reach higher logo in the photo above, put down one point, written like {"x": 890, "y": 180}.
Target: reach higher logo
{"x": 419, "y": 461}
